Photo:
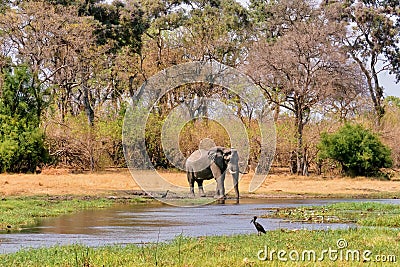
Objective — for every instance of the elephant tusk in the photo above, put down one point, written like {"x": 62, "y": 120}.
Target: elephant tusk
{"x": 232, "y": 172}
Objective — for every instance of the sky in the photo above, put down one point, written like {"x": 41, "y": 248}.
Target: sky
{"x": 389, "y": 85}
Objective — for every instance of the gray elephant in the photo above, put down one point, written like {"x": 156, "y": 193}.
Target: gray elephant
{"x": 213, "y": 163}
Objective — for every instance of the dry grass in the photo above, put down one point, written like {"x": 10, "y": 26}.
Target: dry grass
{"x": 61, "y": 182}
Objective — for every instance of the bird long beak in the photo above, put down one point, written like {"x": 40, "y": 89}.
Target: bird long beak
{"x": 252, "y": 221}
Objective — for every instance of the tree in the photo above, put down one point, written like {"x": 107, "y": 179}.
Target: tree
{"x": 124, "y": 25}
{"x": 22, "y": 146}
{"x": 372, "y": 40}
{"x": 163, "y": 17}
{"x": 301, "y": 67}
{"x": 57, "y": 46}
{"x": 215, "y": 30}
{"x": 358, "y": 151}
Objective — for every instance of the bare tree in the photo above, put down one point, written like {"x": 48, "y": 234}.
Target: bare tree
{"x": 300, "y": 69}
{"x": 372, "y": 40}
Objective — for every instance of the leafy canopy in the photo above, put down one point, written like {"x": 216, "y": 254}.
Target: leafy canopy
{"x": 359, "y": 151}
{"x": 22, "y": 146}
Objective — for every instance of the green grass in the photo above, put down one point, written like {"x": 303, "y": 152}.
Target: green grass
{"x": 361, "y": 213}
{"x": 238, "y": 250}
{"x": 16, "y": 212}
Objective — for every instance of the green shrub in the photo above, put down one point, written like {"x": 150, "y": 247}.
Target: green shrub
{"x": 22, "y": 146}
{"x": 359, "y": 151}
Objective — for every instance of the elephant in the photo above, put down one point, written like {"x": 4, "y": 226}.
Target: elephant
{"x": 205, "y": 164}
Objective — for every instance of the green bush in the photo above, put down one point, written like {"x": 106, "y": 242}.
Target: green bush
{"x": 359, "y": 151}
{"x": 22, "y": 146}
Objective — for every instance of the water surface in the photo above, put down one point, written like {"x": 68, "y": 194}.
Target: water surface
{"x": 143, "y": 223}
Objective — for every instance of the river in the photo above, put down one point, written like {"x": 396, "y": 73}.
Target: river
{"x": 144, "y": 223}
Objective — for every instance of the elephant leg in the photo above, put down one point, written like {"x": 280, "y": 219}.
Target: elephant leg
{"x": 222, "y": 188}
{"x": 220, "y": 178}
{"x": 235, "y": 177}
{"x": 201, "y": 190}
{"x": 190, "y": 177}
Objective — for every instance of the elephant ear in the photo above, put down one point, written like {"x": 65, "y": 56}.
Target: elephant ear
{"x": 227, "y": 153}
{"x": 214, "y": 152}
{"x": 234, "y": 156}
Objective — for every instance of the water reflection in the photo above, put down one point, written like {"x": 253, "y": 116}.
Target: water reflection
{"x": 151, "y": 222}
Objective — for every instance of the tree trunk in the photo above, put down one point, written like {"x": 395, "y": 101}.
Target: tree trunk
{"x": 302, "y": 168}
{"x": 379, "y": 109}
{"x": 293, "y": 162}
{"x": 299, "y": 152}
{"x": 374, "y": 88}
{"x": 277, "y": 110}
{"x": 86, "y": 102}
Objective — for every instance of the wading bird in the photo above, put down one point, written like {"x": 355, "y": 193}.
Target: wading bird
{"x": 259, "y": 227}
{"x": 165, "y": 194}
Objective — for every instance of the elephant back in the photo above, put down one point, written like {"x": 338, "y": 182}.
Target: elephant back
{"x": 198, "y": 161}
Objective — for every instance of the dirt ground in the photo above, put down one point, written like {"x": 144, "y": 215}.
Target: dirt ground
{"x": 120, "y": 182}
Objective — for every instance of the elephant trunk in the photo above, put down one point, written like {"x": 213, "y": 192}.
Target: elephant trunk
{"x": 235, "y": 176}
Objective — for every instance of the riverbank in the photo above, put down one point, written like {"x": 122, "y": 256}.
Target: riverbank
{"x": 120, "y": 183}
{"x": 353, "y": 247}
